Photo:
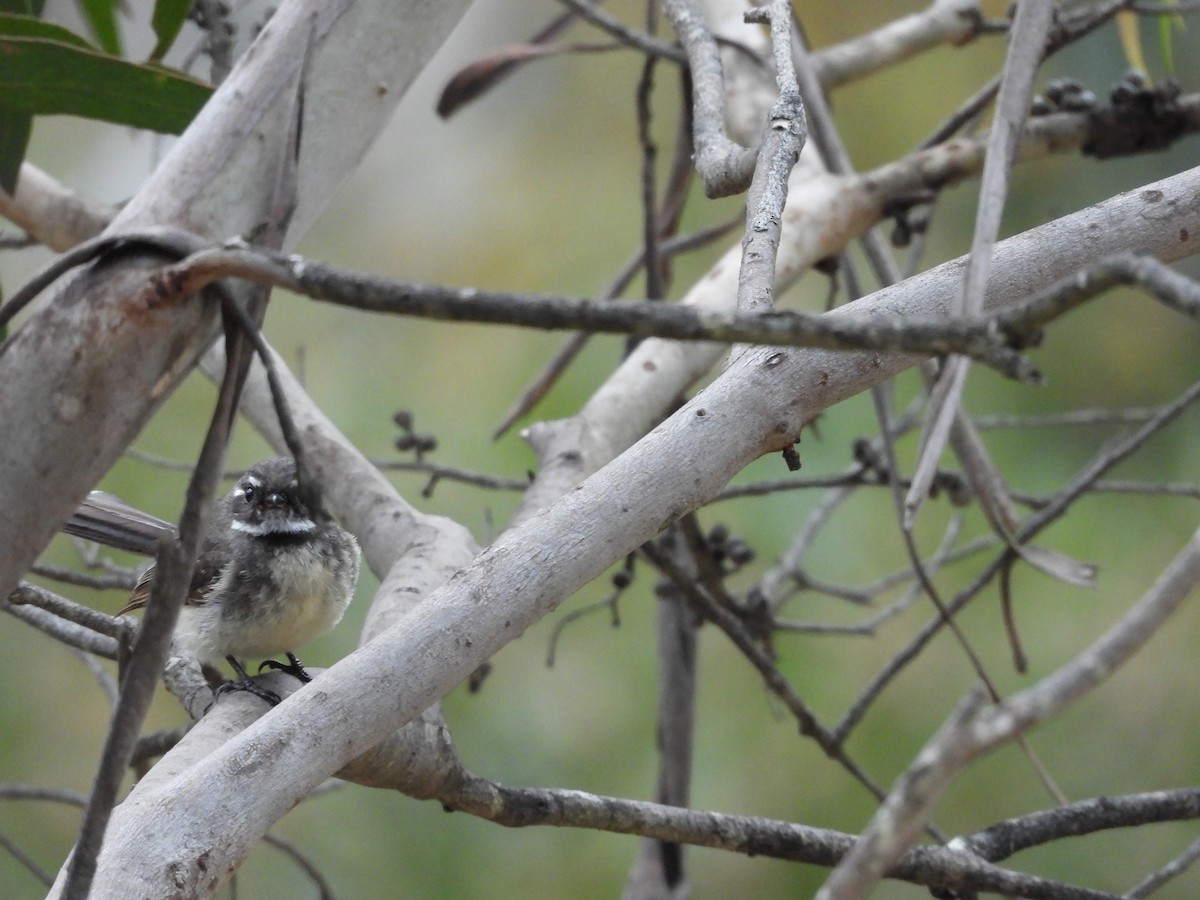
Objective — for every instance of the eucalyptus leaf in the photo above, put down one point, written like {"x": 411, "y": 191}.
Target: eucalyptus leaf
{"x": 168, "y": 19}
{"x": 101, "y": 15}
{"x": 22, "y": 7}
{"x": 15, "y": 127}
{"x": 48, "y": 77}
{"x": 27, "y": 26}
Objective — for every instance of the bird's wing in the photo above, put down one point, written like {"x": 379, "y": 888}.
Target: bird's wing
{"x": 204, "y": 577}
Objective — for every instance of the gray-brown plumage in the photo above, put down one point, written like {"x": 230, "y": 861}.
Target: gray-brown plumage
{"x": 270, "y": 576}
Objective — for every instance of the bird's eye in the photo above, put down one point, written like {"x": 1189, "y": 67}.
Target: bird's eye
{"x": 248, "y": 492}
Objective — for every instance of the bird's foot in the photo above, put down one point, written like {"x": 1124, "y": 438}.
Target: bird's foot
{"x": 250, "y": 687}
{"x": 292, "y": 667}
{"x": 245, "y": 683}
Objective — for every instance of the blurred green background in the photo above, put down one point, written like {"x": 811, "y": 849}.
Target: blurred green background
{"x": 536, "y": 187}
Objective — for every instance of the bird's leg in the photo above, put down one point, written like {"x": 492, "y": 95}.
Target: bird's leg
{"x": 293, "y": 667}
{"x": 245, "y": 684}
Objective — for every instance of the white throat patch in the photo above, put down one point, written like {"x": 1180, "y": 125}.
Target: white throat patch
{"x": 274, "y": 525}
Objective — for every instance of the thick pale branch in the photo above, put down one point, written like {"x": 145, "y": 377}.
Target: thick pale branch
{"x": 85, "y": 372}
{"x": 68, "y": 408}
{"x": 724, "y": 166}
{"x": 52, "y": 213}
{"x": 759, "y": 404}
{"x": 411, "y": 553}
{"x": 823, "y": 214}
{"x": 942, "y": 22}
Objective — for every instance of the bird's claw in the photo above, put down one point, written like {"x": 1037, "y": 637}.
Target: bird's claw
{"x": 245, "y": 684}
{"x": 292, "y": 667}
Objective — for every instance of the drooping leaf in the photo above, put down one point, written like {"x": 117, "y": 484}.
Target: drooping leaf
{"x": 1167, "y": 24}
{"x": 169, "y": 16}
{"x": 101, "y": 16}
{"x": 1164, "y": 43}
{"x": 47, "y": 77}
{"x": 480, "y": 76}
{"x": 27, "y": 26}
{"x": 15, "y": 127}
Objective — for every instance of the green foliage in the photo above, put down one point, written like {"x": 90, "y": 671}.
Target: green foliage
{"x": 101, "y": 16}
{"x": 1167, "y": 25}
{"x": 169, "y": 16}
{"x": 47, "y": 70}
{"x": 15, "y": 128}
{"x": 44, "y": 77}
{"x": 22, "y": 7}
{"x": 31, "y": 27}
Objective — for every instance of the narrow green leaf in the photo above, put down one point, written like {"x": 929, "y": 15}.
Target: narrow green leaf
{"x": 101, "y": 16}
{"x": 1164, "y": 43}
{"x": 27, "y": 26}
{"x": 1168, "y": 23}
{"x": 15, "y": 127}
{"x": 44, "y": 77}
{"x": 22, "y": 7}
{"x": 169, "y": 16}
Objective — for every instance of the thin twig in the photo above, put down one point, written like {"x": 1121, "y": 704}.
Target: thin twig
{"x": 609, "y": 603}
{"x": 1176, "y": 867}
{"x": 977, "y": 727}
{"x": 774, "y": 679}
{"x": 173, "y": 569}
{"x": 639, "y": 40}
{"x": 104, "y": 679}
{"x": 652, "y": 260}
{"x": 932, "y": 336}
{"x": 120, "y": 627}
{"x": 123, "y": 581}
{"x": 296, "y": 855}
{"x": 1027, "y": 43}
{"x": 927, "y": 865}
{"x": 1085, "y": 478}
{"x": 782, "y": 140}
{"x": 24, "y": 859}
{"x": 945, "y": 553}
{"x": 660, "y": 866}
{"x": 1005, "y": 839}
{"x": 439, "y": 472}
{"x": 151, "y": 746}
{"x": 573, "y": 346}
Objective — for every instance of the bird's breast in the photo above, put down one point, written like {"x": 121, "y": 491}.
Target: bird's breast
{"x": 296, "y": 593}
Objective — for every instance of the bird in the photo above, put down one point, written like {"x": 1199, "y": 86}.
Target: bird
{"x": 271, "y": 574}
